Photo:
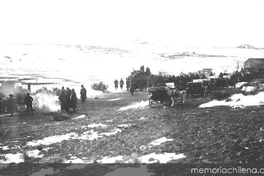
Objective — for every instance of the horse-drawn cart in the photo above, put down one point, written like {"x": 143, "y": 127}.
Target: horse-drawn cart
{"x": 165, "y": 95}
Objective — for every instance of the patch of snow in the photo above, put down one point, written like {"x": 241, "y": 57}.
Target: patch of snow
{"x": 124, "y": 125}
{"x": 239, "y": 84}
{"x": 115, "y": 99}
{"x": 88, "y": 135}
{"x": 35, "y": 154}
{"x": 111, "y": 133}
{"x": 160, "y": 141}
{"x": 143, "y": 118}
{"x": 4, "y": 147}
{"x": 110, "y": 159}
{"x": 135, "y": 105}
{"x": 43, "y": 172}
{"x": 238, "y": 101}
{"x": 97, "y": 125}
{"x": 7, "y": 147}
{"x": 79, "y": 117}
{"x": 52, "y": 139}
{"x": 46, "y": 149}
{"x": 109, "y": 120}
{"x": 248, "y": 88}
{"x": 162, "y": 158}
{"x": 149, "y": 158}
{"x": 13, "y": 158}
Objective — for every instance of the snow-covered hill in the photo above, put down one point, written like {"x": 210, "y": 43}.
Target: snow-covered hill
{"x": 83, "y": 63}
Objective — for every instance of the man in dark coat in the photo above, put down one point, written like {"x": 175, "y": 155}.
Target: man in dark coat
{"x": 68, "y": 95}
{"x": 127, "y": 84}
{"x": 28, "y": 101}
{"x": 63, "y": 101}
{"x": 132, "y": 88}
{"x": 83, "y": 94}
{"x": 121, "y": 83}
{"x": 73, "y": 100}
{"x": 116, "y": 84}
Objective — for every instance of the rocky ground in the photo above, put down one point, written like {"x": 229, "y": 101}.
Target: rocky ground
{"x": 119, "y": 128}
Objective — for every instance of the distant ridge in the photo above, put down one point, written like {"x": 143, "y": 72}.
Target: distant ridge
{"x": 247, "y": 46}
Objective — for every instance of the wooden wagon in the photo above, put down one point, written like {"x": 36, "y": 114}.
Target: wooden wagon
{"x": 165, "y": 95}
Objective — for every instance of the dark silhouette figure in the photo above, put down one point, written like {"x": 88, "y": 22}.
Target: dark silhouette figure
{"x": 83, "y": 94}
{"x": 63, "y": 101}
{"x": 28, "y": 101}
{"x": 73, "y": 99}
{"x": 127, "y": 84}
{"x": 132, "y": 89}
{"x": 121, "y": 83}
{"x": 68, "y": 97}
{"x": 116, "y": 84}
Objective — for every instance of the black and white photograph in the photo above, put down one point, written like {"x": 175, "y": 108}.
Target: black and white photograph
{"x": 131, "y": 88}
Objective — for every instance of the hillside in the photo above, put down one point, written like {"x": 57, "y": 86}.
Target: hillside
{"x": 247, "y": 46}
{"x": 81, "y": 62}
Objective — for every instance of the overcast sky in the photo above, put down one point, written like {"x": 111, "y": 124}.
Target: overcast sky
{"x": 178, "y": 22}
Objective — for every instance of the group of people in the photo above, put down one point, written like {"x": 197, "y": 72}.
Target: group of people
{"x": 12, "y": 104}
{"x": 68, "y": 98}
{"x": 121, "y": 83}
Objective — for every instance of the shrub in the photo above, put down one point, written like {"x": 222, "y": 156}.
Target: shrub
{"x": 224, "y": 94}
{"x": 99, "y": 86}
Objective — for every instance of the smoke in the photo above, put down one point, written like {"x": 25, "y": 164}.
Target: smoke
{"x": 47, "y": 102}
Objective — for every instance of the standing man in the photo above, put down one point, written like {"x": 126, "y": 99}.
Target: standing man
{"x": 132, "y": 89}
{"x": 63, "y": 100}
{"x": 68, "y": 95}
{"x": 73, "y": 100}
{"x": 83, "y": 94}
{"x": 127, "y": 84}
{"x": 116, "y": 84}
{"x": 28, "y": 101}
{"x": 121, "y": 83}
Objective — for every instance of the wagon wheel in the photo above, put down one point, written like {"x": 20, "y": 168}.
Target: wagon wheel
{"x": 35, "y": 104}
{"x": 183, "y": 98}
{"x": 168, "y": 102}
{"x": 151, "y": 103}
